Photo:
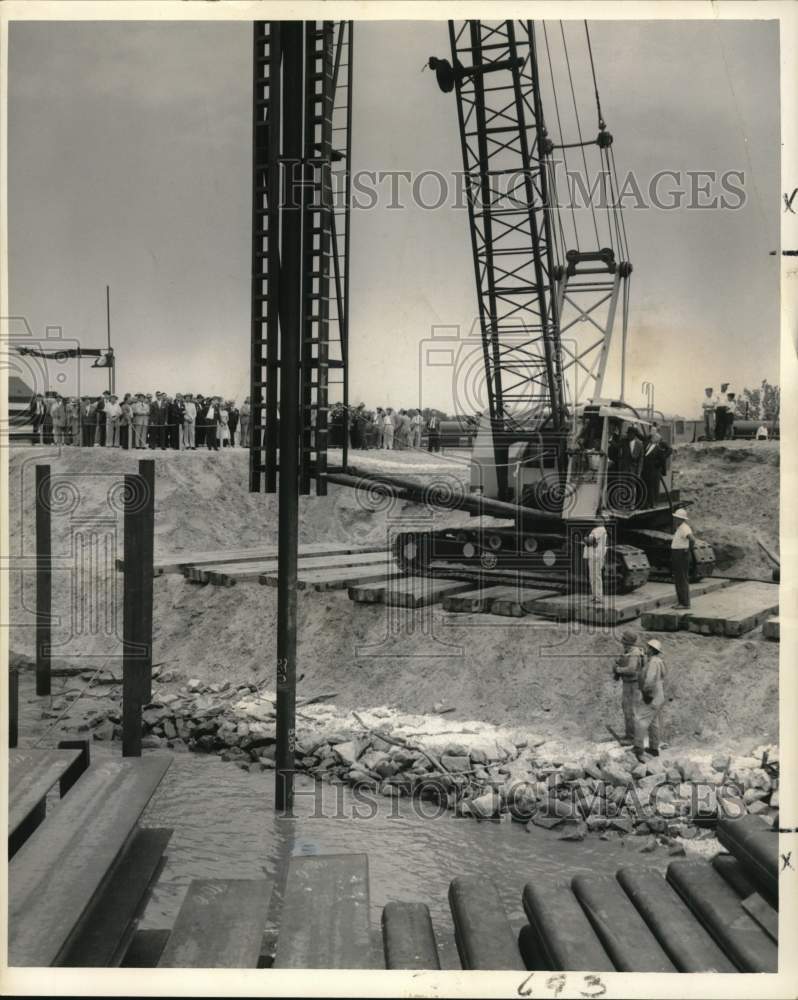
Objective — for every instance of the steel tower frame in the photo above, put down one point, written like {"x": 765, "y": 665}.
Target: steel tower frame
{"x": 318, "y": 186}
{"x": 546, "y": 311}
{"x": 502, "y": 137}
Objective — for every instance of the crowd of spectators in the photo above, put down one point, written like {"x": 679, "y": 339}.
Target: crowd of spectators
{"x": 385, "y": 427}
{"x": 184, "y": 421}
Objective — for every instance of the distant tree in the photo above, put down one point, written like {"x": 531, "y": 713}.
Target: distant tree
{"x": 762, "y": 403}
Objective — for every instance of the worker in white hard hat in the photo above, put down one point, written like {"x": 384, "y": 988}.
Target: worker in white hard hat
{"x": 595, "y": 553}
{"x": 627, "y": 669}
{"x": 649, "y": 701}
{"x": 682, "y": 545}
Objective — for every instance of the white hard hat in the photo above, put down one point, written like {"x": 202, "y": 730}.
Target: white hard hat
{"x": 680, "y": 513}
{"x": 654, "y": 644}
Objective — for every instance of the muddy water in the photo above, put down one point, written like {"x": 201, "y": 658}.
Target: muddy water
{"x": 225, "y": 827}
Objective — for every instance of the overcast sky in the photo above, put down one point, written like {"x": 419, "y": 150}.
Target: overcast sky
{"x": 129, "y": 165}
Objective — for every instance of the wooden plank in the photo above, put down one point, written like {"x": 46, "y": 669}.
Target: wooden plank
{"x": 223, "y": 572}
{"x": 32, "y": 774}
{"x": 419, "y": 591}
{"x": 736, "y": 611}
{"x": 336, "y": 579}
{"x": 369, "y": 591}
{"x": 732, "y": 612}
{"x": 108, "y": 928}
{"x": 407, "y": 591}
{"x": 353, "y": 577}
{"x": 617, "y": 607}
{"x": 175, "y": 561}
{"x": 515, "y": 602}
{"x": 220, "y": 925}
{"x": 472, "y": 601}
{"x": 771, "y": 629}
{"x": 325, "y": 921}
{"x": 56, "y": 874}
{"x": 482, "y": 932}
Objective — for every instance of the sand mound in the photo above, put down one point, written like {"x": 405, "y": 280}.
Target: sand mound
{"x": 735, "y": 488}
{"x": 554, "y": 679}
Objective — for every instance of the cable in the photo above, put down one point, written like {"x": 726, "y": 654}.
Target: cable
{"x": 559, "y": 128}
{"x": 593, "y": 71}
{"x": 578, "y": 127}
{"x": 620, "y": 207}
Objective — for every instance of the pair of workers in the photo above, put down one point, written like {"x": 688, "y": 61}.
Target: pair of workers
{"x": 642, "y": 671}
{"x": 682, "y": 545}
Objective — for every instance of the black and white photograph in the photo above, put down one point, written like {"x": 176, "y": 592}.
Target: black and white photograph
{"x": 291, "y": 713}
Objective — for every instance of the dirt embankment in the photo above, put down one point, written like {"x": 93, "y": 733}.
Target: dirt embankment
{"x": 735, "y": 489}
{"x": 554, "y": 679}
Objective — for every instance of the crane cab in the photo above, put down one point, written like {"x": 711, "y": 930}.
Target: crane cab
{"x": 617, "y": 462}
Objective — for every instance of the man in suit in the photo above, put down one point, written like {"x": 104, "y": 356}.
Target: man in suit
{"x": 651, "y": 471}
{"x": 631, "y": 462}
{"x": 177, "y": 409}
{"x": 166, "y": 406}
{"x": 99, "y": 420}
{"x": 86, "y": 428}
{"x": 155, "y": 433}
{"x": 708, "y": 405}
{"x": 211, "y": 420}
{"x": 356, "y": 427}
{"x": 433, "y": 432}
{"x": 37, "y": 414}
{"x": 721, "y": 412}
{"x": 232, "y": 421}
{"x": 202, "y": 406}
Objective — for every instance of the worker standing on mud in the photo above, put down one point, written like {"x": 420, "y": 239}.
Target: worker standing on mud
{"x": 627, "y": 669}
{"x": 595, "y": 553}
{"x": 649, "y": 700}
{"x": 682, "y": 546}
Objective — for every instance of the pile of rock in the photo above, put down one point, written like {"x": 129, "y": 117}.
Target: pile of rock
{"x": 604, "y": 790}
